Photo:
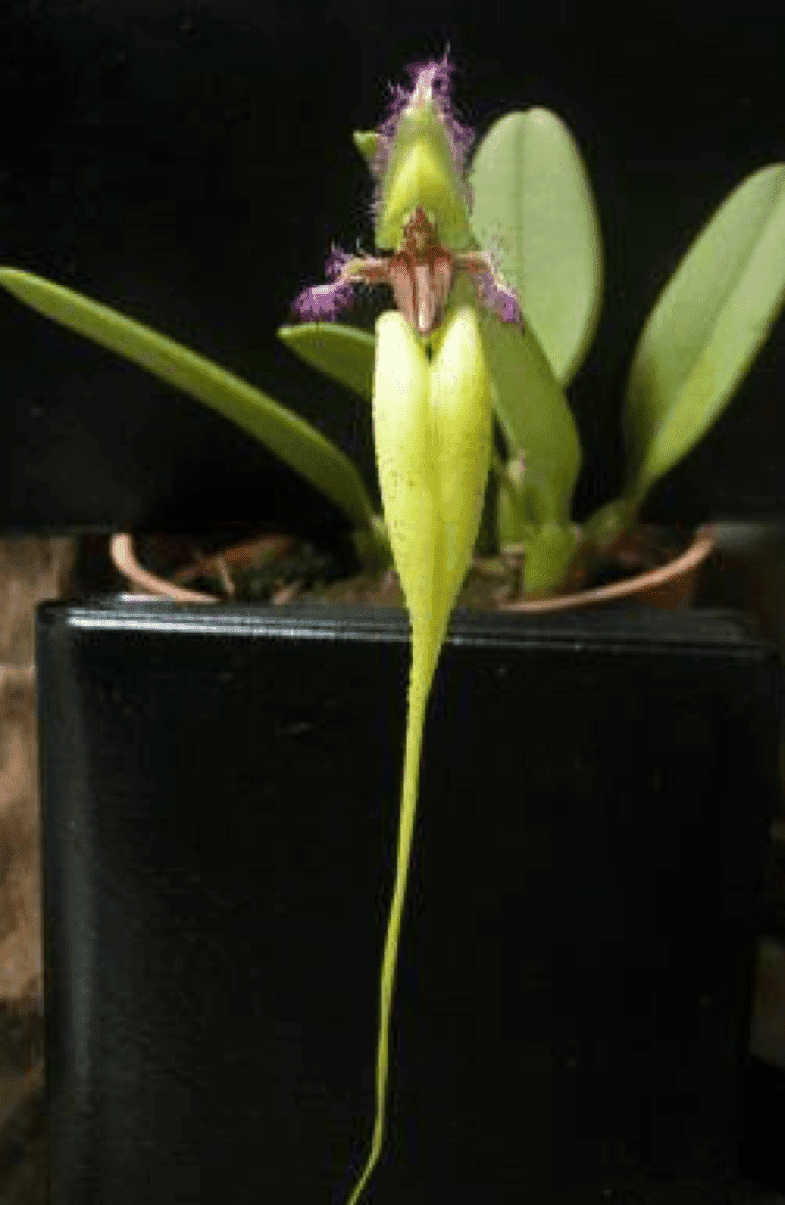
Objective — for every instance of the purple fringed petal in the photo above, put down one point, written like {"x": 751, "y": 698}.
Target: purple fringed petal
{"x": 323, "y": 302}
{"x": 498, "y": 298}
{"x": 327, "y": 301}
{"x": 337, "y": 262}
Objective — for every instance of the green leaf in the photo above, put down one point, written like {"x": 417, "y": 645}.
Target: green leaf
{"x": 532, "y": 410}
{"x": 341, "y": 352}
{"x": 528, "y": 400}
{"x": 549, "y": 547}
{"x": 287, "y": 435}
{"x": 706, "y": 328}
{"x": 549, "y": 552}
{"x": 534, "y": 208}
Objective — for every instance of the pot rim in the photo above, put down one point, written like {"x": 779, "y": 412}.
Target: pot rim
{"x": 123, "y": 554}
{"x": 704, "y": 542}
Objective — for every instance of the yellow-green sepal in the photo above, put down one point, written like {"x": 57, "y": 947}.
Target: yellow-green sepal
{"x": 367, "y": 142}
{"x": 421, "y": 170}
{"x": 432, "y": 429}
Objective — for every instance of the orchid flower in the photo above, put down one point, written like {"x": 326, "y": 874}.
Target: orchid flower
{"x": 432, "y": 413}
{"x": 418, "y": 166}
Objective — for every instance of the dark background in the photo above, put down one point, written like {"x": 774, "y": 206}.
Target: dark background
{"x": 190, "y": 162}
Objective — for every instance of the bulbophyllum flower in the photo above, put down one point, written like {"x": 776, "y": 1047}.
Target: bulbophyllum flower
{"x": 432, "y": 413}
{"x": 421, "y": 212}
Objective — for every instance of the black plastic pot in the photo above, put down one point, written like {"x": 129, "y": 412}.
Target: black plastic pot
{"x": 220, "y": 798}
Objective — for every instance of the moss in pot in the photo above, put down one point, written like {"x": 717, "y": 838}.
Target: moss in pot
{"x": 496, "y": 280}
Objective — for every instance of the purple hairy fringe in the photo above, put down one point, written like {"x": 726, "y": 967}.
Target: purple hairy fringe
{"x": 323, "y": 303}
{"x": 326, "y": 302}
{"x": 346, "y": 272}
{"x": 499, "y": 298}
{"x": 439, "y": 74}
{"x": 337, "y": 262}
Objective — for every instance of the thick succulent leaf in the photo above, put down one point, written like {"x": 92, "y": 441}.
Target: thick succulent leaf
{"x": 341, "y": 352}
{"x": 287, "y": 435}
{"x": 706, "y": 328}
{"x": 534, "y": 209}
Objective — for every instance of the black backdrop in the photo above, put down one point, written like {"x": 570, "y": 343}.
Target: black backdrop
{"x": 190, "y": 161}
